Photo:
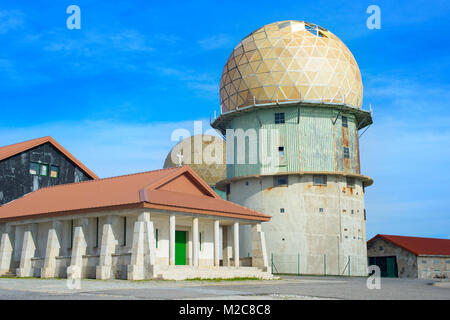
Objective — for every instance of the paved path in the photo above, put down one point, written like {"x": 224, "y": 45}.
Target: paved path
{"x": 287, "y": 288}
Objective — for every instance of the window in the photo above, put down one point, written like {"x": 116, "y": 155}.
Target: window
{"x": 157, "y": 237}
{"x": 34, "y": 168}
{"x": 344, "y": 122}
{"x": 279, "y": 117}
{"x": 321, "y": 210}
{"x": 350, "y": 182}
{"x": 71, "y": 234}
{"x": 424, "y": 261}
{"x": 320, "y": 180}
{"x": 281, "y": 210}
{"x": 54, "y": 171}
{"x": 246, "y": 183}
{"x": 346, "y": 153}
{"x": 381, "y": 248}
{"x": 43, "y": 170}
{"x": 96, "y": 232}
{"x": 200, "y": 240}
{"x": 280, "y": 181}
{"x": 124, "y": 243}
{"x": 281, "y": 157}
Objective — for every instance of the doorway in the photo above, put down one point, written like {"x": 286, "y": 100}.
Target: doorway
{"x": 387, "y": 265}
{"x": 180, "y": 247}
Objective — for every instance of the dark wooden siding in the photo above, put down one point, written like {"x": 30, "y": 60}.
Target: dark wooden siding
{"x": 15, "y": 177}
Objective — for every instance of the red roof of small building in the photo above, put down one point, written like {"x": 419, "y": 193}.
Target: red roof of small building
{"x": 174, "y": 189}
{"x": 13, "y": 149}
{"x": 417, "y": 245}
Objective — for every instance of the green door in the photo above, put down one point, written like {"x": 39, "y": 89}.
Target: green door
{"x": 391, "y": 267}
{"x": 180, "y": 248}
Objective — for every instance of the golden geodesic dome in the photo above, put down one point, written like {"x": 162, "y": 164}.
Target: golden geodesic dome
{"x": 205, "y": 154}
{"x": 290, "y": 60}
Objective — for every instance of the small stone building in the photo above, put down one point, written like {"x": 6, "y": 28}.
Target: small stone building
{"x": 410, "y": 257}
{"x": 160, "y": 224}
{"x": 28, "y": 166}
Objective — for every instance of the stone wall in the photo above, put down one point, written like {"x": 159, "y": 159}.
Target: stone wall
{"x": 406, "y": 261}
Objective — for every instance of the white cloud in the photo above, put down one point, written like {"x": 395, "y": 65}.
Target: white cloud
{"x": 215, "y": 42}
{"x": 108, "y": 148}
{"x": 10, "y": 20}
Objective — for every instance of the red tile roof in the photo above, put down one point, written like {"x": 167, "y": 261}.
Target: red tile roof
{"x": 13, "y": 149}
{"x": 418, "y": 246}
{"x": 175, "y": 189}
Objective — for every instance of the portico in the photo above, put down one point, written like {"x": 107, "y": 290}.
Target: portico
{"x": 178, "y": 231}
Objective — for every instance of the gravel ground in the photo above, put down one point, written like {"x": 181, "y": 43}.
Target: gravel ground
{"x": 287, "y": 288}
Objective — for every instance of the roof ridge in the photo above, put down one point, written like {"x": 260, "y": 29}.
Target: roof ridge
{"x": 395, "y": 235}
{"x": 46, "y": 138}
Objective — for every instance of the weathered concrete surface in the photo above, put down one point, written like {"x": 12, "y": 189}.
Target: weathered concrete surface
{"x": 316, "y": 221}
{"x": 287, "y": 288}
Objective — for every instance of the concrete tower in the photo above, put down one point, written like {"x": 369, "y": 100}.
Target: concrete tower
{"x": 295, "y": 90}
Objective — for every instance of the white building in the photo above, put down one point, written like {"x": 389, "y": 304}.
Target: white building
{"x": 159, "y": 224}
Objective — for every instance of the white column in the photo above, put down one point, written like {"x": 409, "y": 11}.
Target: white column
{"x": 6, "y": 250}
{"x": 236, "y": 243}
{"x": 28, "y": 252}
{"x": 135, "y": 270}
{"x": 107, "y": 249}
{"x": 195, "y": 241}
{"x": 52, "y": 250}
{"x": 79, "y": 249}
{"x": 216, "y": 243}
{"x": 172, "y": 240}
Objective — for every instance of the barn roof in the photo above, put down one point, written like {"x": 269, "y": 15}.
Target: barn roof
{"x": 14, "y": 149}
{"x": 417, "y": 245}
{"x": 174, "y": 189}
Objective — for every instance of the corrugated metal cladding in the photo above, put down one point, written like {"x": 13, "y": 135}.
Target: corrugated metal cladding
{"x": 311, "y": 142}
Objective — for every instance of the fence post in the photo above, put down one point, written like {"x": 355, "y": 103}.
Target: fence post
{"x": 324, "y": 264}
{"x": 349, "y": 266}
{"x": 271, "y": 261}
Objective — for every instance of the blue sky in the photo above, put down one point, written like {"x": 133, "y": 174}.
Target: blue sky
{"x": 113, "y": 91}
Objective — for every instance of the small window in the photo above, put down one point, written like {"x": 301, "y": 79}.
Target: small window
{"x": 280, "y": 181}
{"x": 43, "y": 171}
{"x": 381, "y": 248}
{"x": 157, "y": 237}
{"x": 424, "y": 261}
{"x": 353, "y": 211}
{"x": 281, "y": 155}
{"x": 96, "y": 231}
{"x": 228, "y": 188}
{"x": 346, "y": 153}
{"x": 124, "y": 243}
{"x": 34, "y": 168}
{"x": 54, "y": 171}
{"x": 344, "y": 122}
{"x": 200, "y": 240}
{"x": 281, "y": 210}
{"x": 435, "y": 261}
{"x": 246, "y": 183}
{"x": 279, "y": 117}
{"x": 321, "y": 210}
{"x": 320, "y": 180}
{"x": 350, "y": 182}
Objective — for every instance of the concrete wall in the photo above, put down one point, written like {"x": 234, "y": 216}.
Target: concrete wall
{"x": 406, "y": 261}
{"x": 15, "y": 177}
{"x": 304, "y": 232}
